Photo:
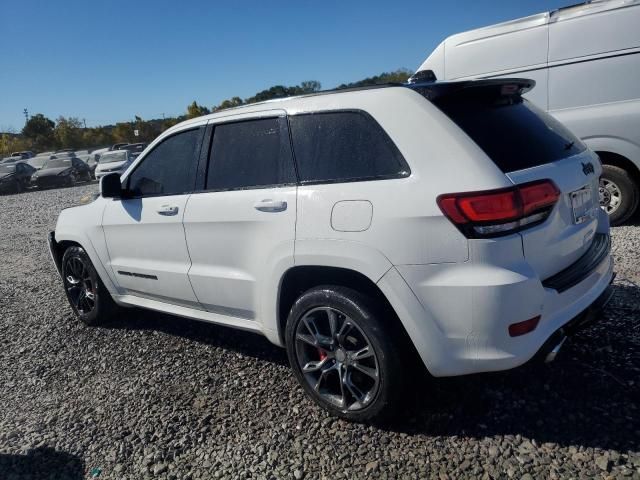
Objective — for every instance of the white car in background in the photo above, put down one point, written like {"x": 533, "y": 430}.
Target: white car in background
{"x": 115, "y": 161}
{"x": 586, "y": 62}
{"x": 451, "y": 222}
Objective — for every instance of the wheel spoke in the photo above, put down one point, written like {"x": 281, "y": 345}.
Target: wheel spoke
{"x": 321, "y": 377}
{"x": 344, "y": 329}
{"x": 79, "y": 298}
{"x": 363, "y": 353}
{"x": 333, "y": 322}
{"x": 353, "y": 389}
{"x": 307, "y": 339}
{"x": 343, "y": 397}
{"x": 315, "y": 365}
{"x": 370, "y": 372}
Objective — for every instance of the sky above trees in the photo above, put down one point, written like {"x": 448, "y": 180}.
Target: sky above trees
{"x": 105, "y": 62}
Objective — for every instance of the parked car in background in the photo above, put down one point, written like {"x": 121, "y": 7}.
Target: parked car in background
{"x": 15, "y": 177}
{"x": 117, "y": 146}
{"x": 454, "y": 223}
{"x": 116, "y": 161}
{"x": 39, "y": 160}
{"x": 592, "y": 85}
{"x": 135, "y": 148}
{"x": 87, "y": 158}
{"x": 64, "y": 154}
{"x": 11, "y": 159}
{"x": 61, "y": 172}
{"x": 24, "y": 155}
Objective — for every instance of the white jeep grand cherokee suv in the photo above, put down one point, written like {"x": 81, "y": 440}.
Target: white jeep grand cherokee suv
{"x": 357, "y": 228}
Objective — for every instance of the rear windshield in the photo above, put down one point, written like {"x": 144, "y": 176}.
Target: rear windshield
{"x": 512, "y": 131}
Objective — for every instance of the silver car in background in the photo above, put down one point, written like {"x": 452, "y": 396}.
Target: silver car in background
{"x": 115, "y": 161}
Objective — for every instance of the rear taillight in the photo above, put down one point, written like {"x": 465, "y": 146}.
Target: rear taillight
{"x": 499, "y": 212}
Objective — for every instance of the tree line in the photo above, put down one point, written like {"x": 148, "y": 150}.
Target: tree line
{"x": 41, "y": 133}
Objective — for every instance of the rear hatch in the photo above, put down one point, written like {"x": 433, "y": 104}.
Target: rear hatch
{"x": 529, "y": 145}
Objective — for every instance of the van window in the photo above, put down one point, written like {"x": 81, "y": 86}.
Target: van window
{"x": 250, "y": 154}
{"x": 343, "y": 146}
{"x": 512, "y": 131}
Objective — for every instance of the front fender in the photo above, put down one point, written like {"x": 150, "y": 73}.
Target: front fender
{"x": 82, "y": 225}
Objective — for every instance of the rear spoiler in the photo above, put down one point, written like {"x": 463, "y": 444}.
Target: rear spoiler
{"x": 426, "y": 85}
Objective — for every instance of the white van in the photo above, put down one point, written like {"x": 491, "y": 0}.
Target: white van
{"x": 585, "y": 60}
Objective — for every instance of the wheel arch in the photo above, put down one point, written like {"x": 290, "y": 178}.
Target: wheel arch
{"x": 620, "y": 161}
{"x": 61, "y": 242}
{"x": 299, "y": 279}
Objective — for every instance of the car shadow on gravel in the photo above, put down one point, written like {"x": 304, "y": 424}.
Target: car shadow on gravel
{"x": 243, "y": 342}
{"x": 41, "y": 464}
{"x": 589, "y": 396}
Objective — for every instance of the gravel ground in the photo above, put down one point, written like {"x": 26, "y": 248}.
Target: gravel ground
{"x": 152, "y": 396}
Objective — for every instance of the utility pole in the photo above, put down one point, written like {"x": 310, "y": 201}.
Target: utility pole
{"x": 84, "y": 120}
{"x": 26, "y": 115}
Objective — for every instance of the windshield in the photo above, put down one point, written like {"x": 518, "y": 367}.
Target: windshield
{"x": 113, "y": 157}
{"x": 57, "y": 163}
{"x": 7, "y": 169}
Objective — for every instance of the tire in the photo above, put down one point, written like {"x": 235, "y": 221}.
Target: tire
{"x": 19, "y": 187}
{"x": 89, "y": 298}
{"x": 619, "y": 194}
{"x": 350, "y": 394}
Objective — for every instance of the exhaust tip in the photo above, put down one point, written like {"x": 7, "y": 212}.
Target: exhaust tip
{"x": 551, "y": 356}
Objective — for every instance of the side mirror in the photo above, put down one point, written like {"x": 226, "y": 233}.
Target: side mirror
{"x": 110, "y": 186}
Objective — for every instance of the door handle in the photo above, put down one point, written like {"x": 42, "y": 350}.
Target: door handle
{"x": 269, "y": 205}
{"x": 168, "y": 210}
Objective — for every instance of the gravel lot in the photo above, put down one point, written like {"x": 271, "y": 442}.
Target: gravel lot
{"x": 153, "y": 396}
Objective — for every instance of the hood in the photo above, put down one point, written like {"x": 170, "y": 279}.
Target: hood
{"x": 52, "y": 171}
{"x": 6, "y": 175}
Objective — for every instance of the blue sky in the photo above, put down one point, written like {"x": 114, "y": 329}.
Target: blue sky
{"x": 108, "y": 61}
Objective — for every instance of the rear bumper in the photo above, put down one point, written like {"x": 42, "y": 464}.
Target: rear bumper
{"x": 593, "y": 313}
{"x": 458, "y": 315}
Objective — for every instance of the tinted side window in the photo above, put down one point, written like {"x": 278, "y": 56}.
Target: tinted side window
{"x": 251, "y": 153}
{"x": 170, "y": 168}
{"x": 343, "y": 146}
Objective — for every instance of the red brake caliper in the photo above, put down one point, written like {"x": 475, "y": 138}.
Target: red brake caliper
{"x": 322, "y": 354}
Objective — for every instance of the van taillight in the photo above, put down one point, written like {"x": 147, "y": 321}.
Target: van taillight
{"x": 499, "y": 212}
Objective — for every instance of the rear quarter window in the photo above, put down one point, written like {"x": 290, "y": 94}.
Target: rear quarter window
{"x": 343, "y": 146}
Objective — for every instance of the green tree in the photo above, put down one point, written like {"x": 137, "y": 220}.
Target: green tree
{"x": 122, "y": 132}
{"x": 68, "y": 132}
{"x": 194, "y": 110}
{"x": 40, "y": 131}
{"x": 399, "y": 76}
{"x": 310, "y": 86}
{"x": 229, "y": 103}
{"x": 12, "y": 143}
